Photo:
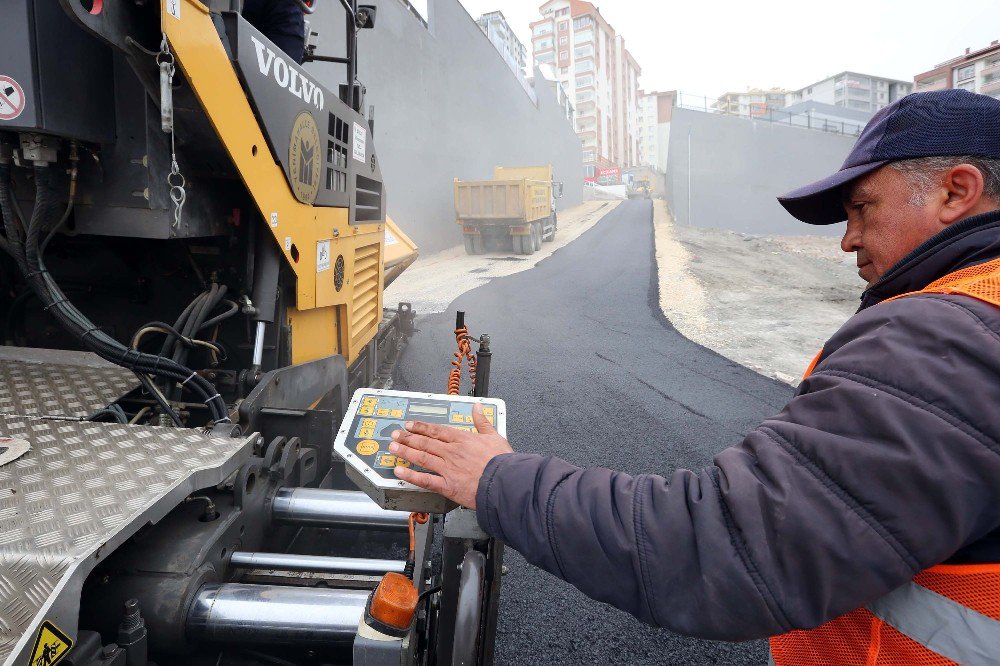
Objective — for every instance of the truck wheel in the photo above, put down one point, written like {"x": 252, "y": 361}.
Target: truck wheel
{"x": 524, "y": 245}
{"x": 473, "y": 245}
{"x": 536, "y": 236}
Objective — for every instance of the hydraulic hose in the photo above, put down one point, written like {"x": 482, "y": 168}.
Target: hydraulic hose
{"x": 55, "y": 301}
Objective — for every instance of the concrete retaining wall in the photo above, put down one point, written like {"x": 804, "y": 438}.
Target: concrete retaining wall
{"x": 733, "y": 168}
{"x": 446, "y": 106}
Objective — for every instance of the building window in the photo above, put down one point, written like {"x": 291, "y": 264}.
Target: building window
{"x": 563, "y": 26}
{"x": 584, "y": 97}
{"x": 545, "y": 58}
{"x": 584, "y": 51}
{"x": 542, "y": 29}
{"x": 543, "y": 44}
{"x": 585, "y": 66}
{"x": 584, "y": 81}
{"x": 563, "y": 40}
{"x": 582, "y": 22}
{"x": 583, "y": 37}
{"x": 588, "y": 170}
{"x": 966, "y": 72}
{"x": 563, "y": 11}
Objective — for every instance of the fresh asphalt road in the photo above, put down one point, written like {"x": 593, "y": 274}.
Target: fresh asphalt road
{"x": 592, "y": 372}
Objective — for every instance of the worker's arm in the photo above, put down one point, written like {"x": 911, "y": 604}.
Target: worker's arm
{"x": 885, "y": 463}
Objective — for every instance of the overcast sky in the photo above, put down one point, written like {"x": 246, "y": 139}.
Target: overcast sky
{"x": 708, "y": 47}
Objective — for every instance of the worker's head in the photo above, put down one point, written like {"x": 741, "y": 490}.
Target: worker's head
{"x": 921, "y": 164}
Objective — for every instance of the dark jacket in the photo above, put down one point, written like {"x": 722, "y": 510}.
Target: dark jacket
{"x": 281, "y": 21}
{"x": 886, "y": 462}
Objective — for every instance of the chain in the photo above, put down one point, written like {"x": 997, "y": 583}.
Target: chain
{"x": 175, "y": 179}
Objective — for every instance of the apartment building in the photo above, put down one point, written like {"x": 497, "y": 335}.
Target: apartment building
{"x": 754, "y": 102}
{"x": 976, "y": 71}
{"x": 851, "y": 90}
{"x": 601, "y": 77}
{"x": 514, "y": 53}
{"x": 655, "y": 109}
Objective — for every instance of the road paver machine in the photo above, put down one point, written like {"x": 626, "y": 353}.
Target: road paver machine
{"x": 194, "y": 249}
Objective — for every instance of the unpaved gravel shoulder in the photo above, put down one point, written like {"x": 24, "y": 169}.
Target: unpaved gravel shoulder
{"x": 434, "y": 281}
{"x": 768, "y": 303}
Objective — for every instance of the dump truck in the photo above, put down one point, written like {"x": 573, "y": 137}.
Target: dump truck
{"x": 194, "y": 247}
{"x": 514, "y": 211}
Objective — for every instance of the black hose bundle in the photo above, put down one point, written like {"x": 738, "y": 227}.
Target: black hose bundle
{"x": 28, "y": 256}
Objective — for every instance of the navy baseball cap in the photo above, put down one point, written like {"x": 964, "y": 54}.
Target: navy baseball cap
{"x": 945, "y": 122}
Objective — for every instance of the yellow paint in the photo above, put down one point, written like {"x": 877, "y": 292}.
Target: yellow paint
{"x": 319, "y": 307}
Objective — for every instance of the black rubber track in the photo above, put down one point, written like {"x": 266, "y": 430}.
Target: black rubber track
{"x": 592, "y": 372}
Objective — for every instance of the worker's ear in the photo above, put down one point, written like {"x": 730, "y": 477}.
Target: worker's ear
{"x": 964, "y": 186}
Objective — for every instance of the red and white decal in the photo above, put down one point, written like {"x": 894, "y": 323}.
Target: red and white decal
{"x": 11, "y": 98}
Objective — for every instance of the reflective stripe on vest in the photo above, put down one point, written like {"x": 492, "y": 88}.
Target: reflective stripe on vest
{"x": 940, "y": 624}
{"x": 935, "y": 620}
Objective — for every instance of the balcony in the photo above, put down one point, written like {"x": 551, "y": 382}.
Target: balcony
{"x": 990, "y": 87}
{"x": 991, "y": 69}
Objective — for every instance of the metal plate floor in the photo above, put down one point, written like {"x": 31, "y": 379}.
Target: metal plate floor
{"x": 82, "y": 490}
{"x": 47, "y": 382}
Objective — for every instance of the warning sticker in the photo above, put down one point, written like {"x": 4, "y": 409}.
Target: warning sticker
{"x": 174, "y": 8}
{"x": 389, "y": 238}
{"x": 51, "y": 645}
{"x": 360, "y": 142}
{"x": 322, "y": 256}
{"x": 11, "y": 98}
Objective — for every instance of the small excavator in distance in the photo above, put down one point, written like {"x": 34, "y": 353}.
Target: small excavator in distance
{"x": 193, "y": 255}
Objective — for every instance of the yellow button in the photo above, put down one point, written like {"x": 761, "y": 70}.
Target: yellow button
{"x": 468, "y": 419}
{"x": 367, "y": 447}
{"x": 488, "y": 411}
{"x": 386, "y": 460}
{"x": 402, "y": 463}
{"x": 367, "y": 432}
{"x": 382, "y": 411}
{"x": 369, "y": 423}
{"x": 369, "y": 402}
{"x": 457, "y": 418}
{"x": 397, "y": 413}
{"x": 366, "y": 411}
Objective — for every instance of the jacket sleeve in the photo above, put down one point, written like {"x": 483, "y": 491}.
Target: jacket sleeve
{"x": 883, "y": 464}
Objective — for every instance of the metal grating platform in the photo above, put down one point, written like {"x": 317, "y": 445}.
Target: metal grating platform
{"x": 45, "y": 382}
{"x": 80, "y": 492}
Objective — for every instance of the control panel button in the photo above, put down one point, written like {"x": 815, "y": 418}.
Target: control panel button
{"x": 367, "y": 447}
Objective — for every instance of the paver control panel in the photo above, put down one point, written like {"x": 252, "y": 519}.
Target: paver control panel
{"x": 364, "y": 437}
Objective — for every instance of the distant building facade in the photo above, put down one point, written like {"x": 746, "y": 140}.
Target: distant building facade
{"x": 562, "y": 96}
{"x": 851, "y": 90}
{"x": 655, "y": 109}
{"x": 506, "y": 42}
{"x": 600, "y": 76}
{"x": 976, "y": 71}
{"x": 754, "y": 102}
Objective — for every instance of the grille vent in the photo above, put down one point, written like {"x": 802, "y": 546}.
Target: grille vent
{"x": 365, "y": 312}
{"x": 368, "y": 204}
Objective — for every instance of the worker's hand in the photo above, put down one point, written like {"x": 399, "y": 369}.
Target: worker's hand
{"x": 459, "y": 457}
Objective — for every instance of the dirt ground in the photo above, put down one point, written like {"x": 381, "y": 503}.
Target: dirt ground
{"x": 768, "y": 303}
{"x": 434, "y": 281}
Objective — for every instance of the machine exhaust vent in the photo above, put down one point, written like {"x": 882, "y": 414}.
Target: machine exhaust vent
{"x": 336, "y": 155}
{"x": 368, "y": 205}
{"x": 364, "y": 312}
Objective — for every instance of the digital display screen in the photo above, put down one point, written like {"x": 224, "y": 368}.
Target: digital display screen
{"x": 430, "y": 410}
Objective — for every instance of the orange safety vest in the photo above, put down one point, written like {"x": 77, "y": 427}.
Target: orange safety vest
{"x": 948, "y": 614}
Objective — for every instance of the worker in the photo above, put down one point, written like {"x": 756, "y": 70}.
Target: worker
{"x": 861, "y": 524}
{"x": 281, "y": 21}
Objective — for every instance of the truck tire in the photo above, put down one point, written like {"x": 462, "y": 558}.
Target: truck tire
{"x": 473, "y": 244}
{"x": 552, "y": 234}
{"x": 536, "y": 236}
{"x": 524, "y": 245}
